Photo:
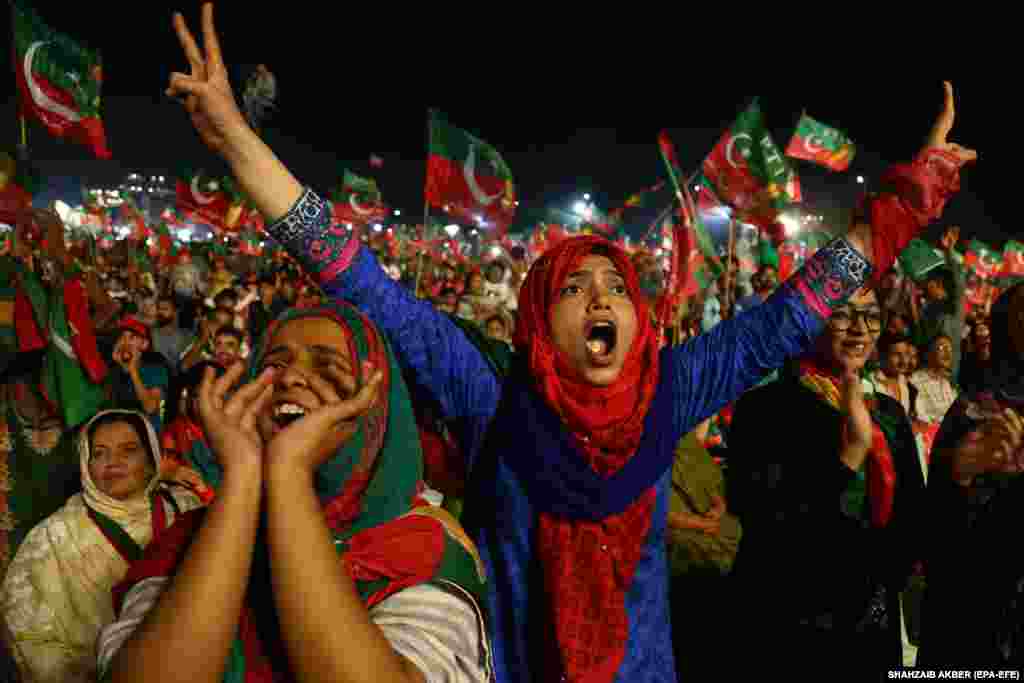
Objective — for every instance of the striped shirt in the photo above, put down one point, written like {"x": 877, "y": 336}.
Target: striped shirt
{"x": 437, "y": 627}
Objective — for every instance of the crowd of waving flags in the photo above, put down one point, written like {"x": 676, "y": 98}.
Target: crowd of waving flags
{"x": 467, "y": 180}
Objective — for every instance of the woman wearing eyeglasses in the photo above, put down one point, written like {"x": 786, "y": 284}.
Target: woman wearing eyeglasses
{"x": 824, "y": 476}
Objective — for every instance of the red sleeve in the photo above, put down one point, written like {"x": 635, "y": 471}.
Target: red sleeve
{"x": 83, "y": 337}
{"x": 162, "y": 556}
{"x": 913, "y": 196}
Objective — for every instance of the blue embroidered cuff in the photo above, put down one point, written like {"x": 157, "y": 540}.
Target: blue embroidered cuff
{"x": 308, "y": 234}
{"x": 831, "y": 276}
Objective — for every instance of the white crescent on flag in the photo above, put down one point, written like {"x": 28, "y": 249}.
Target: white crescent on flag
{"x": 810, "y": 147}
{"x": 469, "y": 171}
{"x": 729, "y": 147}
{"x": 196, "y": 194}
{"x": 40, "y": 98}
{"x": 356, "y": 207}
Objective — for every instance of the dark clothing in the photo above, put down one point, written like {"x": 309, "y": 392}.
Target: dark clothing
{"x": 973, "y": 613}
{"x": 818, "y": 583}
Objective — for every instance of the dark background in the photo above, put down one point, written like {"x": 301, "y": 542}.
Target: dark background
{"x": 567, "y": 120}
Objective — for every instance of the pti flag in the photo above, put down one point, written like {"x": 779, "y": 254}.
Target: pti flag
{"x": 821, "y": 144}
{"x": 748, "y": 171}
{"x": 467, "y": 178}
{"x": 58, "y": 81}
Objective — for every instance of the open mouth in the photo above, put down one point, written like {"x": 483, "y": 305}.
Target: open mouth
{"x": 601, "y": 337}
{"x": 287, "y": 413}
{"x": 855, "y": 347}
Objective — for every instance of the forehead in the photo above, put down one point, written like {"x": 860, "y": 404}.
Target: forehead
{"x": 595, "y": 264}
{"x": 901, "y": 347}
{"x": 115, "y": 432}
{"x": 863, "y": 297}
{"x": 306, "y": 332}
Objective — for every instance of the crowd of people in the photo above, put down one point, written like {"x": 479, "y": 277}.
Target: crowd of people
{"x": 336, "y": 465}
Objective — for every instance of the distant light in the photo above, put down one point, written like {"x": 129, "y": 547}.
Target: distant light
{"x": 472, "y": 232}
{"x": 495, "y": 250}
{"x": 860, "y": 179}
{"x": 262, "y": 244}
{"x": 517, "y": 203}
{"x": 62, "y": 209}
{"x": 791, "y": 225}
{"x": 452, "y": 230}
{"x": 377, "y": 227}
{"x": 480, "y": 219}
{"x": 397, "y": 212}
{"x": 579, "y": 207}
{"x": 586, "y": 197}
{"x": 696, "y": 188}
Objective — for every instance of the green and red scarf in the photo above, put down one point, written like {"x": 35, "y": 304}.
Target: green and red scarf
{"x": 388, "y": 536}
{"x": 881, "y": 472}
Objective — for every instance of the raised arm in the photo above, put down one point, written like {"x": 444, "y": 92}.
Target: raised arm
{"x": 718, "y": 367}
{"x": 425, "y": 341}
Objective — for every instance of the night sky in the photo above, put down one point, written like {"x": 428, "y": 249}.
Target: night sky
{"x": 566, "y": 121}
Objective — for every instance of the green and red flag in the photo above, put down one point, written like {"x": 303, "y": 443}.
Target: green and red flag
{"x": 358, "y": 201}
{"x": 647, "y": 198}
{"x": 749, "y": 172}
{"x": 918, "y": 259}
{"x": 814, "y": 141}
{"x": 130, "y": 212}
{"x": 1013, "y": 262}
{"x": 59, "y": 81}
{"x": 983, "y": 259}
{"x": 203, "y": 198}
{"x": 467, "y": 178}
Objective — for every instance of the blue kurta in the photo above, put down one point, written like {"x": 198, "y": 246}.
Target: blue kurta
{"x": 696, "y": 380}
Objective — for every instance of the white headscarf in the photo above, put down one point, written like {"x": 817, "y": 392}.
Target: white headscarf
{"x": 57, "y": 593}
{"x": 134, "y": 514}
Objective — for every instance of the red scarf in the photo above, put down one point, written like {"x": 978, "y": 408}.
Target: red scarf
{"x": 824, "y": 382}
{"x": 589, "y": 566}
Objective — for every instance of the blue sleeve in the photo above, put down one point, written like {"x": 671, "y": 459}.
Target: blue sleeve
{"x": 426, "y": 342}
{"x": 717, "y": 367}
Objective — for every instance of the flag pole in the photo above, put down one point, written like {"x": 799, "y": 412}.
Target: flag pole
{"x": 731, "y": 295}
{"x": 426, "y": 203}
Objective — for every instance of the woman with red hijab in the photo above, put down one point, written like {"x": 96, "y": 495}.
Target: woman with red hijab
{"x": 569, "y": 456}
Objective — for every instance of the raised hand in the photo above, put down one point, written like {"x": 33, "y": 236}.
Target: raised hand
{"x": 944, "y": 124}
{"x": 993, "y": 447}
{"x": 205, "y": 91}
{"x": 313, "y": 439}
{"x": 858, "y": 431}
{"x": 230, "y": 424}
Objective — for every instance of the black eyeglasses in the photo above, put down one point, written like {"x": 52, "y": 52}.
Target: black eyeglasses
{"x": 843, "y": 319}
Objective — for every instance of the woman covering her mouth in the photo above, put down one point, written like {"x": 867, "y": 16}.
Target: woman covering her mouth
{"x": 569, "y": 457}
{"x": 816, "y": 585}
